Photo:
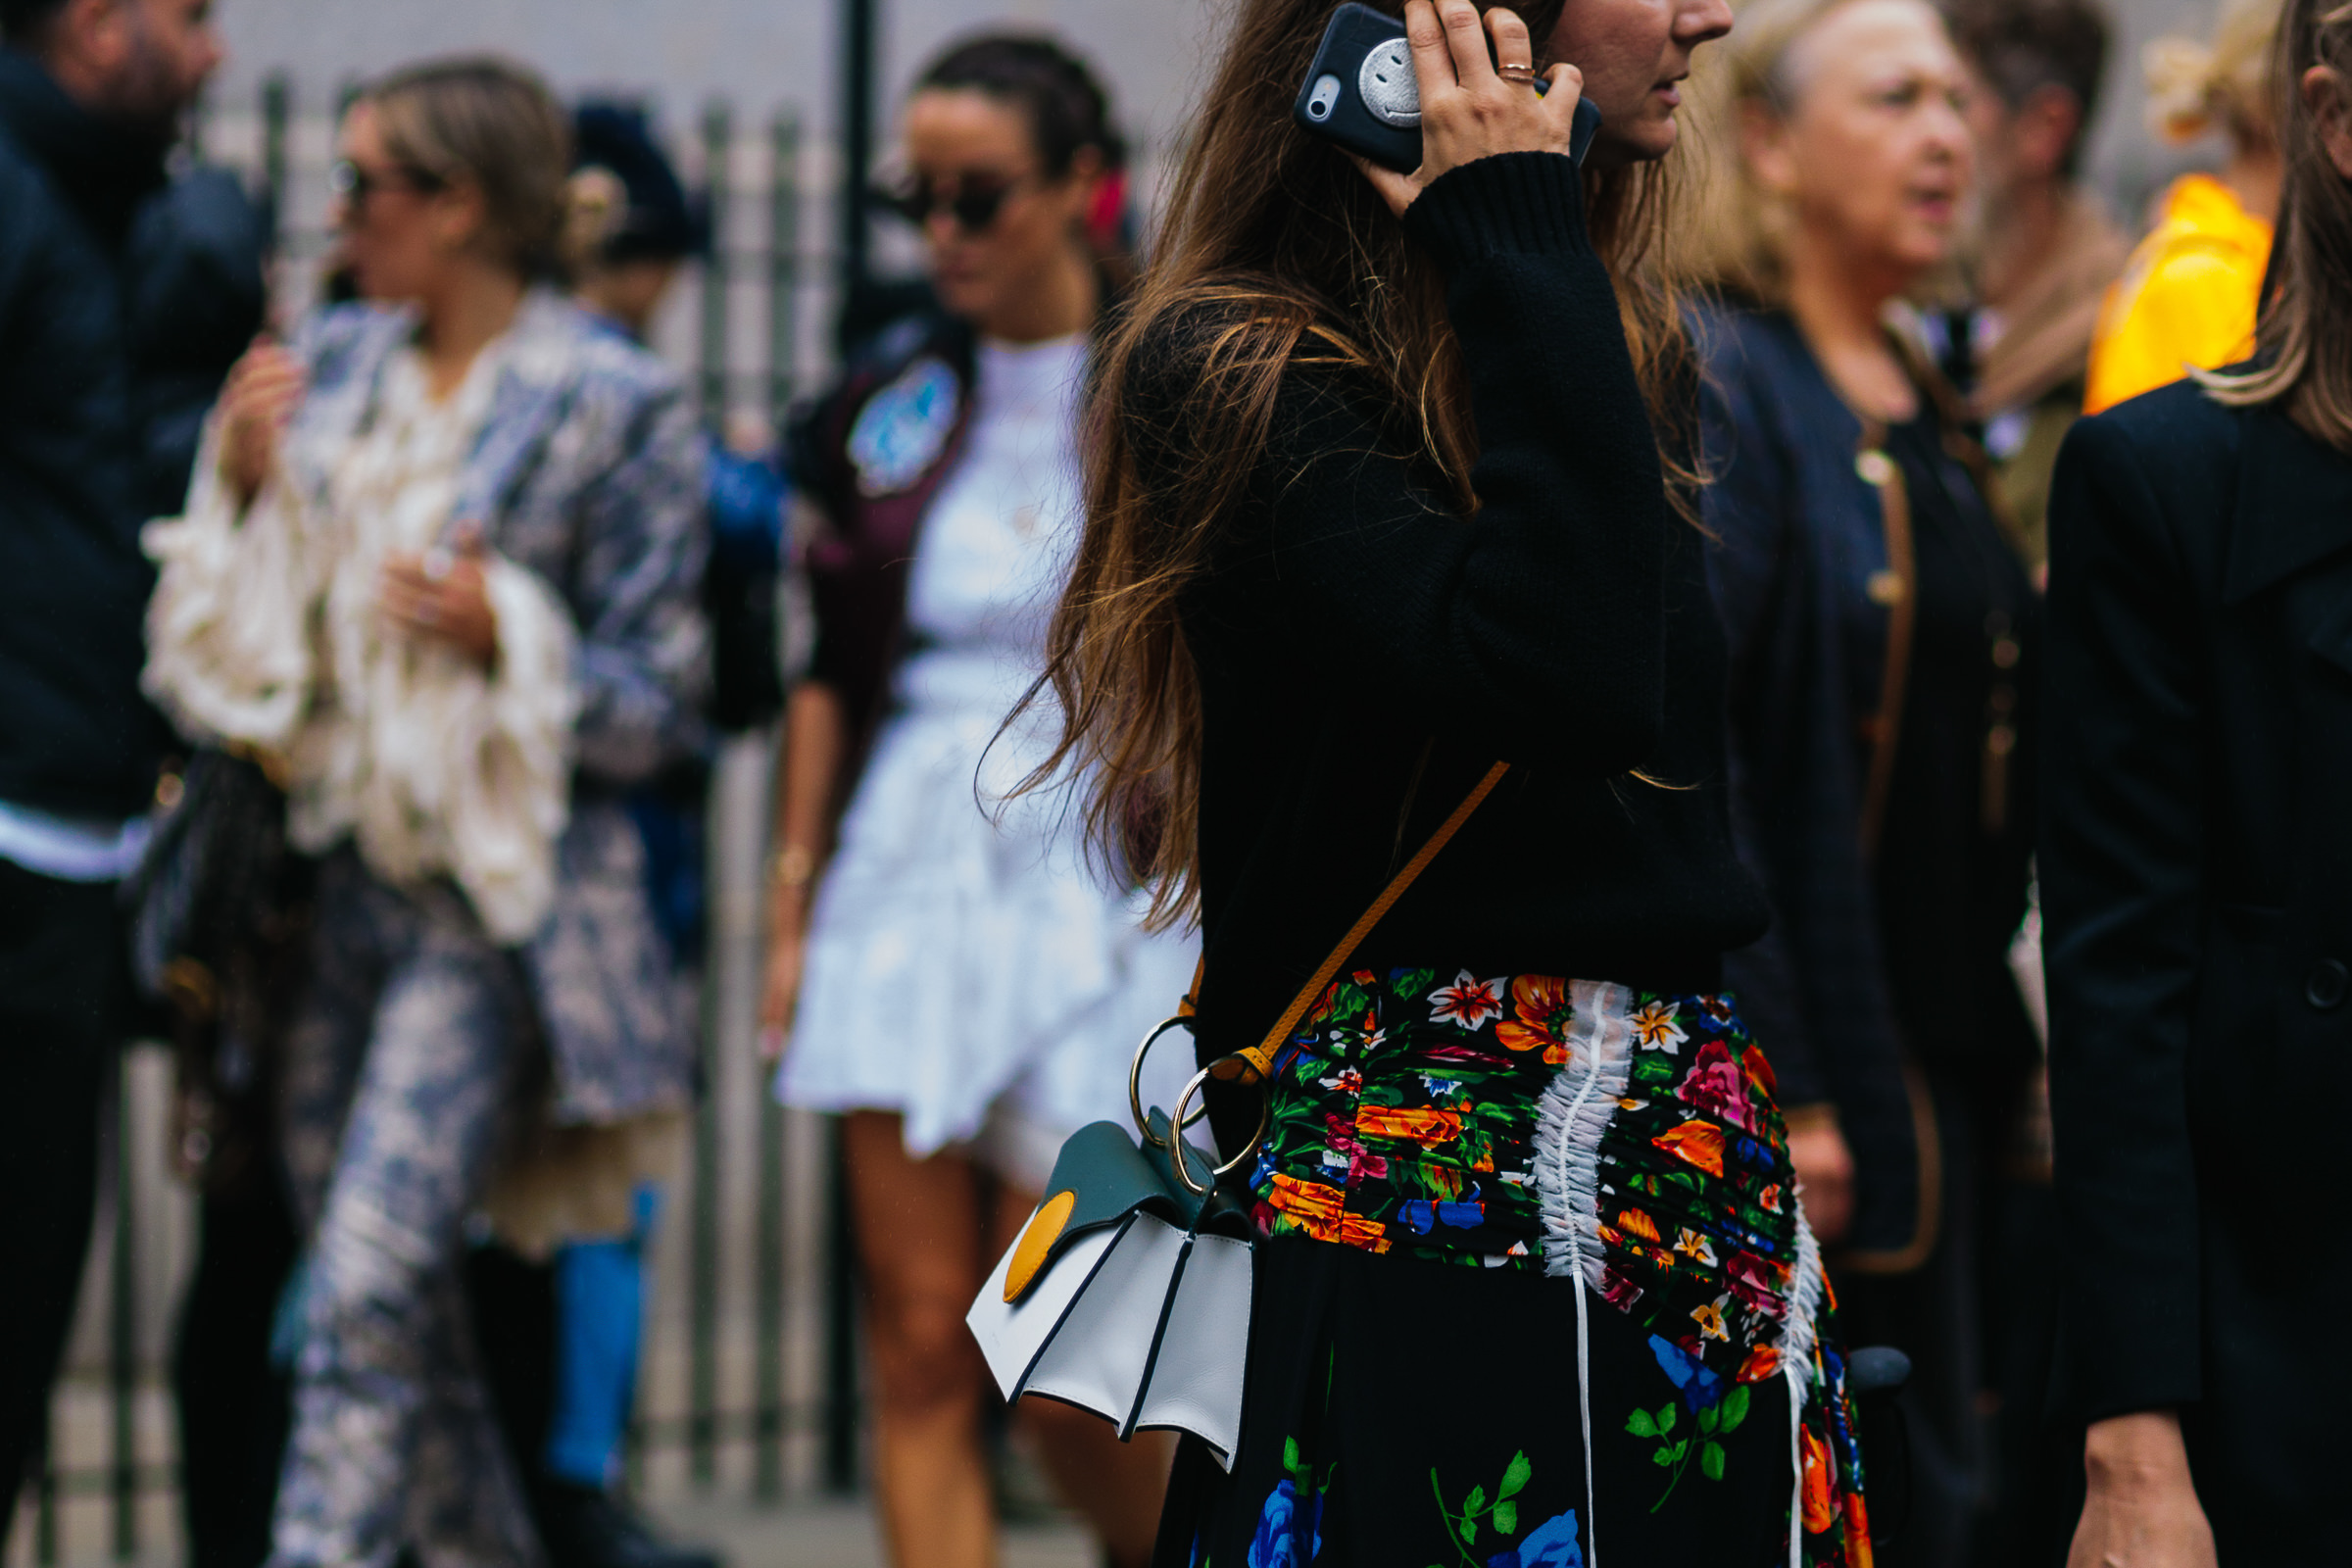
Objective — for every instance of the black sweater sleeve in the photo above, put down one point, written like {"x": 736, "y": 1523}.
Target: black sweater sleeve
{"x": 1398, "y": 597}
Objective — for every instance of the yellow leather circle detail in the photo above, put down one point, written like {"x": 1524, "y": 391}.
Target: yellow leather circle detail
{"x": 1037, "y": 1239}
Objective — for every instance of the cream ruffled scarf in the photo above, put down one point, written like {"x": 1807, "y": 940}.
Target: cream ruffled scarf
{"x": 264, "y": 630}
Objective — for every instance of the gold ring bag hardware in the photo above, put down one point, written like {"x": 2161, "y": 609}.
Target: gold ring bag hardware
{"x": 1127, "y": 1293}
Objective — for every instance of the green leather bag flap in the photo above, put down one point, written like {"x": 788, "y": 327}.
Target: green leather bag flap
{"x": 1100, "y": 1178}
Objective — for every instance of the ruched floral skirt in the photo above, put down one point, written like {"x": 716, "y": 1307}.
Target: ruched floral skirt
{"x": 1536, "y": 1289}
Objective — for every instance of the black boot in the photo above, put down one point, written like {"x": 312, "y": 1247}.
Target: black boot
{"x": 581, "y": 1527}
{"x": 585, "y": 1527}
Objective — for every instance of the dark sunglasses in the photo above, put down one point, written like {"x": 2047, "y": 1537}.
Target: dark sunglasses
{"x": 975, "y": 205}
{"x": 355, "y": 184}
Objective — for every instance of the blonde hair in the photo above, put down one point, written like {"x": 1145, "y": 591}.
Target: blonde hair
{"x": 484, "y": 122}
{"x": 2303, "y": 338}
{"x": 596, "y": 207}
{"x": 1740, "y": 242}
{"x": 2224, "y": 83}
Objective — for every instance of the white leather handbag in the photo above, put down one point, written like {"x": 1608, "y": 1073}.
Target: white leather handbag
{"x": 1127, "y": 1294}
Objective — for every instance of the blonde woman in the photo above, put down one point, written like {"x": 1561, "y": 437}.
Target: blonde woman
{"x": 1884, "y": 636}
{"x": 2187, "y": 299}
{"x": 439, "y": 564}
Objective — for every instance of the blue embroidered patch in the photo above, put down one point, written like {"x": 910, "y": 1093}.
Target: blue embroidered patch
{"x": 902, "y": 429}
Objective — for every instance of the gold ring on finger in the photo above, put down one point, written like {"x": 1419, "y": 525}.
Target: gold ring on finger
{"x": 1524, "y": 75}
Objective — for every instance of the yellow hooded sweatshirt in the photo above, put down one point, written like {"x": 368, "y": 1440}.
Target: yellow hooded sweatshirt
{"x": 2187, "y": 299}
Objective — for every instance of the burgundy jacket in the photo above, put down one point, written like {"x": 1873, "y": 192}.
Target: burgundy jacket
{"x": 870, "y": 456}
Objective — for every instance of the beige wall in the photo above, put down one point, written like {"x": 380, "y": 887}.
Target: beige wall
{"x": 2125, "y": 161}
{"x": 762, "y": 54}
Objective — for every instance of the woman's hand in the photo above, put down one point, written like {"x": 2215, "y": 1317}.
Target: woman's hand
{"x": 810, "y": 767}
{"x": 441, "y": 596}
{"x": 1825, "y": 1171}
{"x": 1467, "y": 111}
{"x": 787, "y": 957}
{"x": 257, "y": 403}
{"x": 2141, "y": 1510}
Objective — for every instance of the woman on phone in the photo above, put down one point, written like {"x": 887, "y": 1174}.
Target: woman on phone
{"x": 439, "y": 569}
{"x": 1884, "y": 628}
{"x": 971, "y": 993}
{"x": 1389, "y": 485}
{"x": 2195, "y": 863}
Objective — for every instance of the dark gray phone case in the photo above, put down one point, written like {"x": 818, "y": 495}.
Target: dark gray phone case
{"x": 1361, "y": 94}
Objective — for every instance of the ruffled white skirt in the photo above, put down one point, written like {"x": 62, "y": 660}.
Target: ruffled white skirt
{"x": 966, "y": 967}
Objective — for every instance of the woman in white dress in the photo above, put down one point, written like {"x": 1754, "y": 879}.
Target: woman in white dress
{"x": 966, "y": 989}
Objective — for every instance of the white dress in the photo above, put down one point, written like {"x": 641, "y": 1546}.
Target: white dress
{"x": 966, "y": 966}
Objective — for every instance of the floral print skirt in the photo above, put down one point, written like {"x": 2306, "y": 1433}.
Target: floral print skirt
{"x": 1535, "y": 1285}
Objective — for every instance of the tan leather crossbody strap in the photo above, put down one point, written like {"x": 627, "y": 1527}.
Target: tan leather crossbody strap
{"x": 1251, "y": 1066}
{"x": 1880, "y": 468}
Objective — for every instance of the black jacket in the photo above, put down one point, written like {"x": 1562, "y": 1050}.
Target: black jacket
{"x": 197, "y": 298}
{"x": 75, "y": 480}
{"x": 2196, "y": 869}
{"x": 1800, "y": 540}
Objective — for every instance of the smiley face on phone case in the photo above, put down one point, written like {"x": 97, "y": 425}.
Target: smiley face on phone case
{"x": 1361, "y": 92}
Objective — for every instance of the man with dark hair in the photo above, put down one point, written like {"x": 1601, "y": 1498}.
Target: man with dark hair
{"x": 91, "y": 95}
{"x": 2048, "y": 250}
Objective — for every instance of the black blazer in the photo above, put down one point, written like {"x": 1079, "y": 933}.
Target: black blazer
{"x": 1799, "y": 534}
{"x": 2196, "y": 870}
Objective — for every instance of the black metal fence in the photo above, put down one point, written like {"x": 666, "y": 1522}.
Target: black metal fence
{"x": 751, "y": 1382}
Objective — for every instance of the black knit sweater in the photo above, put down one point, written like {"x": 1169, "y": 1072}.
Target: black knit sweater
{"x": 1366, "y": 654}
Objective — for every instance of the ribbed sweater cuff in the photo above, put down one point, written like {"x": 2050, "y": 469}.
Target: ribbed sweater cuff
{"x": 1509, "y": 203}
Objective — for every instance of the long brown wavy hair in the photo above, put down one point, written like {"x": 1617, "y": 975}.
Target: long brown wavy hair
{"x": 1275, "y": 250}
{"x": 2303, "y": 337}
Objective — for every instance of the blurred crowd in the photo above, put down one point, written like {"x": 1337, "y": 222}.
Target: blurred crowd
{"x": 362, "y": 676}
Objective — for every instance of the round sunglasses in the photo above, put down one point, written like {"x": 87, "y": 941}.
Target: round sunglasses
{"x": 975, "y": 205}
{"x": 355, "y": 184}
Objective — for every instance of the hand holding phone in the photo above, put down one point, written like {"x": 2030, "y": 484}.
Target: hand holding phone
{"x": 1415, "y": 99}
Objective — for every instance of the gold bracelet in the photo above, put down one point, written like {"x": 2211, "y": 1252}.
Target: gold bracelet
{"x": 795, "y": 866}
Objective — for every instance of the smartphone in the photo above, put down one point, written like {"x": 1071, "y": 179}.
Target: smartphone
{"x": 1360, "y": 92}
